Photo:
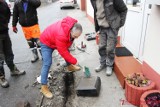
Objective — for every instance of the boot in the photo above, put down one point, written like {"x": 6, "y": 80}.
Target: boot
{"x": 3, "y": 82}
{"x": 17, "y": 72}
{"x": 100, "y": 68}
{"x": 109, "y": 71}
{"x": 73, "y": 68}
{"x": 35, "y": 55}
{"x": 45, "y": 91}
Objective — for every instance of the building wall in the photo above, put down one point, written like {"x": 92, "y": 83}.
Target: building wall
{"x": 79, "y": 2}
{"x": 151, "y": 63}
{"x": 152, "y": 47}
{"x": 89, "y": 8}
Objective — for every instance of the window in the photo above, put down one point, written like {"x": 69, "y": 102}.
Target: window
{"x": 133, "y": 3}
{"x": 12, "y": 0}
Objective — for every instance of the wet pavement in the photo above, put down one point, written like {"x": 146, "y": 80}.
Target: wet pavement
{"x": 111, "y": 94}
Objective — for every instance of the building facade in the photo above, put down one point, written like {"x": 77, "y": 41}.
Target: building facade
{"x": 140, "y": 33}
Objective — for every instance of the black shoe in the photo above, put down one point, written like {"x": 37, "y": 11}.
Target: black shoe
{"x": 3, "y": 82}
{"x": 100, "y": 68}
{"x": 17, "y": 72}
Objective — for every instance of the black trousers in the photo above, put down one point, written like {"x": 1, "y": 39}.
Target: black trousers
{"x": 34, "y": 42}
{"x": 6, "y": 53}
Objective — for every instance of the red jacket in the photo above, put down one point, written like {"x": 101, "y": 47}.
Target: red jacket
{"x": 57, "y": 36}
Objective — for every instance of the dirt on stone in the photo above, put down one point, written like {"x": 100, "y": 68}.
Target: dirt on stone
{"x": 62, "y": 86}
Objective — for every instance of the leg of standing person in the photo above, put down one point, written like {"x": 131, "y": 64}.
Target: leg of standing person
{"x": 9, "y": 58}
{"x": 102, "y": 49}
{"x": 30, "y": 34}
{"x": 47, "y": 61}
{"x": 35, "y": 34}
{"x": 33, "y": 48}
{"x": 110, "y": 50}
{"x": 37, "y": 42}
{"x": 3, "y": 82}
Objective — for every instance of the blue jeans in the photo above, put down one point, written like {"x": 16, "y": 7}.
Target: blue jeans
{"x": 47, "y": 61}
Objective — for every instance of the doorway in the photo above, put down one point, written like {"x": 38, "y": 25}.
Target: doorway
{"x": 134, "y": 31}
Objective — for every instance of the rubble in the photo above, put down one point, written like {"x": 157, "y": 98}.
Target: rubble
{"x": 60, "y": 84}
{"x": 24, "y": 103}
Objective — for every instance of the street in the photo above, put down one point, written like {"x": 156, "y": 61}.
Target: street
{"x": 111, "y": 93}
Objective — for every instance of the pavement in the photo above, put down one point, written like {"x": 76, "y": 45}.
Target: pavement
{"x": 111, "y": 93}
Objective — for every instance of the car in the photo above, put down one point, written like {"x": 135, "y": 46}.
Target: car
{"x": 67, "y": 3}
{"x": 10, "y": 5}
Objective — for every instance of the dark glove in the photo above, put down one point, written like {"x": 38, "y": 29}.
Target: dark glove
{"x": 15, "y": 30}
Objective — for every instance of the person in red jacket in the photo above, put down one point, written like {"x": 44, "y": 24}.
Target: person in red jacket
{"x": 60, "y": 36}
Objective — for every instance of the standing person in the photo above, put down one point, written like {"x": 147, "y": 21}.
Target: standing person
{"x": 25, "y": 12}
{"x": 109, "y": 16}
{"x": 60, "y": 35}
{"x": 6, "y": 53}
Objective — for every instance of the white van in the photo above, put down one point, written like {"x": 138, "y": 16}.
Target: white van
{"x": 67, "y": 3}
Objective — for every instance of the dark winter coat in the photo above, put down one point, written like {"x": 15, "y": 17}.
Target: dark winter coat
{"x": 28, "y": 18}
{"x": 57, "y": 36}
{"x": 4, "y": 17}
{"x": 115, "y": 12}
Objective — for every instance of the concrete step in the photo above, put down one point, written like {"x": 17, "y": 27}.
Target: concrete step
{"x": 125, "y": 65}
{"x": 89, "y": 86}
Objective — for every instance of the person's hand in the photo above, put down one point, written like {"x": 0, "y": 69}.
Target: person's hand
{"x": 15, "y": 30}
{"x": 97, "y": 32}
